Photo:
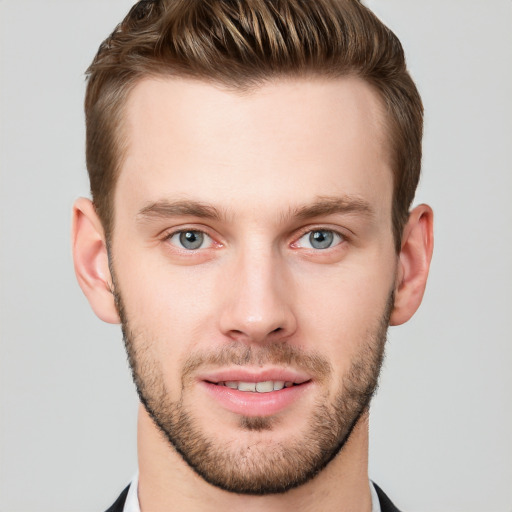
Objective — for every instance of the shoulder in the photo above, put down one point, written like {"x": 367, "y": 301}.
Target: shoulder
{"x": 119, "y": 503}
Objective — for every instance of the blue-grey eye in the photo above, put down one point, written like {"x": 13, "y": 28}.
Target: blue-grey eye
{"x": 320, "y": 239}
{"x": 190, "y": 240}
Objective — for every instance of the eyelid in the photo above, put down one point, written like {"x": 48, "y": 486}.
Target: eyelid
{"x": 311, "y": 229}
{"x": 168, "y": 234}
{"x": 205, "y": 242}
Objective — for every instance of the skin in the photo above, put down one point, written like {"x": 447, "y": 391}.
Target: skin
{"x": 260, "y": 159}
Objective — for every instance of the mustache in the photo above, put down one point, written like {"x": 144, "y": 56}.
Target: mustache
{"x": 282, "y": 354}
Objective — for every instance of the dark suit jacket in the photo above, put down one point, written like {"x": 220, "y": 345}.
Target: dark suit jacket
{"x": 385, "y": 503}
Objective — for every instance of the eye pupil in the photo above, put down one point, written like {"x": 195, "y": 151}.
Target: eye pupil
{"x": 321, "y": 239}
{"x": 191, "y": 239}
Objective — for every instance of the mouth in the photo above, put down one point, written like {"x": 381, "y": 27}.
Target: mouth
{"x": 259, "y": 393}
{"x": 266, "y": 386}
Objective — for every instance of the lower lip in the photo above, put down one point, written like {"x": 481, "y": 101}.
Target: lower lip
{"x": 247, "y": 403}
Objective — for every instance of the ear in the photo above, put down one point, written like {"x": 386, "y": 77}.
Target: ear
{"x": 414, "y": 263}
{"x": 91, "y": 260}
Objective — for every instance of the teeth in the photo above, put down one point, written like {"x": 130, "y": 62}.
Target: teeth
{"x": 258, "y": 387}
{"x": 247, "y": 386}
{"x": 265, "y": 387}
{"x": 278, "y": 385}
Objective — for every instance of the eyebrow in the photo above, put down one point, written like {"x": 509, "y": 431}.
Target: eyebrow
{"x": 330, "y": 205}
{"x": 323, "y": 205}
{"x": 164, "y": 209}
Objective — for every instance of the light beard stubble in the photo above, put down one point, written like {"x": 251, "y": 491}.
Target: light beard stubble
{"x": 253, "y": 469}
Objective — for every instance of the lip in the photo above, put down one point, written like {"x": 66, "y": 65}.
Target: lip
{"x": 255, "y": 375}
{"x": 252, "y": 404}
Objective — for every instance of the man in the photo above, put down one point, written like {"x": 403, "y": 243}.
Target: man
{"x": 252, "y": 166}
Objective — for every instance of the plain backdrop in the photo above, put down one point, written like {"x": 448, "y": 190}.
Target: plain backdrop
{"x": 441, "y": 423}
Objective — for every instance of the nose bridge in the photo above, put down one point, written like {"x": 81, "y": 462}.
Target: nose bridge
{"x": 259, "y": 302}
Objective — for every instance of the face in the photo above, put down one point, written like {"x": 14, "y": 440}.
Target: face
{"x": 254, "y": 267}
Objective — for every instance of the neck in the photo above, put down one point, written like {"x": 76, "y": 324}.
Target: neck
{"x": 166, "y": 482}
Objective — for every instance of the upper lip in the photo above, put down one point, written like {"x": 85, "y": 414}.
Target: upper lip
{"x": 247, "y": 374}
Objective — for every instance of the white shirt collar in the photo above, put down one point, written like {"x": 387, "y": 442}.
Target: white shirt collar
{"x": 375, "y": 499}
{"x": 132, "y": 499}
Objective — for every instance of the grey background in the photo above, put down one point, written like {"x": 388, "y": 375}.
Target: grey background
{"x": 441, "y": 423}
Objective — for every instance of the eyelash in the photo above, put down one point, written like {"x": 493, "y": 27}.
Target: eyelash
{"x": 341, "y": 237}
{"x": 309, "y": 230}
{"x": 169, "y": 236}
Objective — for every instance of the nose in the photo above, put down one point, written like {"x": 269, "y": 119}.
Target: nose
{"x": 257, "y": 304}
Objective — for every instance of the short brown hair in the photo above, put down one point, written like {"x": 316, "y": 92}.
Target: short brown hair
{"x": 241, "y": 44}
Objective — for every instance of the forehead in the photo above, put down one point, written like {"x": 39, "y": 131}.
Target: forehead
{"x": 279, "y": 144}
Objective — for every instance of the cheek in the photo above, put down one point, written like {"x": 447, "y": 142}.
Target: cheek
{"x": 167, "y": 303}
{"x": 167, "y": 313}
{"x": 341, "y": 310}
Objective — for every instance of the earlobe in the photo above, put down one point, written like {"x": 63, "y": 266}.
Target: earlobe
{"x": 414, "y": 264}
{"x": 90, "y": 259}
